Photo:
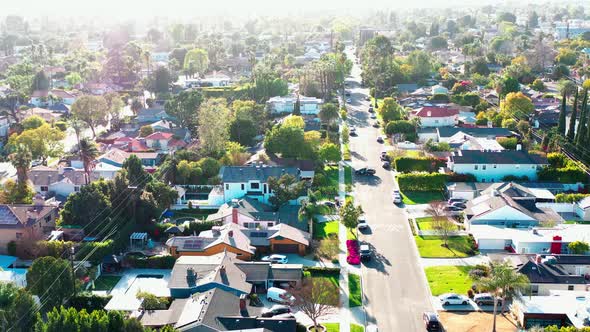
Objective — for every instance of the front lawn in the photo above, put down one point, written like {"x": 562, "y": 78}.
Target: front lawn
{"x": 430, "y": 246}
{"x": 323, "y": 230}
{"x": 106, "y": 283}
{"x": 356, "y": 328}
{"x": 332, "y": 327}
{"x": 333, "y": 277}
{"x": 449, "y": 279}
{"x": 355, "y": 297}
{"x": 424, "y": 224}
{"x": 421, "y": 197}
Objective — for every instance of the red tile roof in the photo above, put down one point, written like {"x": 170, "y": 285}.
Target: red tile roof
{"x": 436, "y": 112}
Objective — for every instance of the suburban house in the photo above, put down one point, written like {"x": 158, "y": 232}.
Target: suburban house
{"x": 42, "y": 98}
{"x": 550, "y": 272}
{"x": 151, "y": 115}
{"x": 560, "y": 308}
{"x": 4, "y": 126}
{"x": 509, "y": 205}
{"x": 447, "y": 134}
{"x": 467, "y": 142}
{"x": 250, "y": 181}
{"x": 26, "y": 222}
{"x": 164, "y": 142}
{"x": 471, "y": 190}
{"x": 45, "y": 114}
{"x": 61, "y": 181}
{"x": 117, "y": 157}
{"x": 439, "y": 90}
{"x": 215, "y": 310}
{"x": 493, "y": 166}
{"x": 431, "y": 116}
{"x": 192, "y": 274}
{"x": 308, "y": 105}
{"x": 224, "y": 238}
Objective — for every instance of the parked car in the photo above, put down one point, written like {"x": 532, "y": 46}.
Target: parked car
{"x": 459, "y": 205}
{"x": 453, "y": 299}
{"x": 453, "y": 200}
{"x": 431, "y": 321}
{"x": 373, "y": 116}
{"x": 365, "y": 171}
{"x": 453, "y": 210}
{"x": 397, "y": 197}
{"x": 362, "y": 223}
{"x": 279, "y": 295}
{"x": 385, "y": 157}
{"x": 367, "y": 98}
{"x": 276, "y": 309}
{"x": 276, "y": 258}
{"x": 371, "y": 109}
{"x": 365, "y": 252}
{"x": 348, "y": 100}
{"x": 352, "y": 131}
{"x": 376, "y": 124}
{"x": 485, "y": 299}
{"x": 347, "y": 94}
{"x": 386, "y": 164}
{"x": 380, "y": 139}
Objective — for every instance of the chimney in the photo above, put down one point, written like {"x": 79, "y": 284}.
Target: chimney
{"x": 518, "y": 147}
{"x": 234, "y": 215}
{"x": 538, "y": 259}
{"x": 230, "y": 233}
{"x": 243, "y": 304}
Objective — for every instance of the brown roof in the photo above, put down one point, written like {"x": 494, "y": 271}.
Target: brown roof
{"x": 45, "y": 176}
{"x": 18, "y": 216}
{"x": 436, "y": 112}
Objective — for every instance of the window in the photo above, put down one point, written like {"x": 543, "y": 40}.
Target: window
{"x": 435, "y": 121}
{"x": 77, "y": 188}
{"x": 475, "y": 167}
{"x": 265, "y": 188}
{"x": 535, "y": 289}
{"x": 495, "y": 166}
{"x": 270, "y": 224}
{"x": 48, "y": 219}
{"x": 533, "y": 167}
{"x": 570, "y": 287}
{"x": 254, "y": 185}
{"x": 44, "y": 188}
{"x": 243, "y": 186}
{"x": 19, "y": 236}
{"x": 227, "y": 186}
{"x": 483, "y": 167}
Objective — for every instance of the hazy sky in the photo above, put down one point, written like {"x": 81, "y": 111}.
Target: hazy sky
{"x": 187, "y": 8}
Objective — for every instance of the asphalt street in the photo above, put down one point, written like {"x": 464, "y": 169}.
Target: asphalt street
{"x": 395, "y": 288}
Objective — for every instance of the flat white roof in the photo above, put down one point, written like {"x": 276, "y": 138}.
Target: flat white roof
{"x": 568, "y": 233}
{"x": 554, "y": 304}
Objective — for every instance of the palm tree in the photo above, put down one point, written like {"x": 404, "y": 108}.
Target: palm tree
{"x": 503, "y": 282}
{"x": 88, "y": 152}
{"x": 21, "y": 160}
{"x": 308, "y": 209}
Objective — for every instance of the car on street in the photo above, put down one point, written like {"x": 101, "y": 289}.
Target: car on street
{"x": 453, "y": 299}
{"x": 386, "y": 164}
{"x": 367, "y": 98}
{"x": 276, "y": 258}
{"x": 456, "y": 200}
{"x": 453, "y": 210}
{"x": 431, "y": 321}
{"x": 348, "y": 100}
{"x": 485, "y": 299}
{"x": 352, "y": 131}
{"x": 376, "y": 124}
{"x": 379, "y": 139}
{"x": 365, "y": 171}
{"x": 347, "y": 94}
{"x": 276, "y": 309}
{"x": 397, "y": 197}
{"x": 371, "y": 109}
{"x": 385, "y": 157}
{"x": 373, "y": 116}
{"x": 365, "y": 252}
{"x": 362, "y": 223}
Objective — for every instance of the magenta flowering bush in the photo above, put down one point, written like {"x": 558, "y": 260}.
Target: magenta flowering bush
{"x": 354, "y": 257}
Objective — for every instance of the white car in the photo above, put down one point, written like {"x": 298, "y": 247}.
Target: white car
{"x": 280, "y": 259}
{"x": 362, "y": 223}
{"x": 348, "y": 100}
{"x": 453, "y": 299}
{"x": 397, "y": 197}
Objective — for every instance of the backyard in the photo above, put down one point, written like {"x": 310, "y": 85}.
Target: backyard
{"x": 421, "y": 197}
{"x": 106, "y": 283}
{"x": 449, "y": 279}
{"x": 425, "y": 224}
{"x": 323, "y": 230}
{"x": 431, "y": 246}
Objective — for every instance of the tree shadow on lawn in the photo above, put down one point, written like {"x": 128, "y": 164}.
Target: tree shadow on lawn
{"x": 459, "y": 246}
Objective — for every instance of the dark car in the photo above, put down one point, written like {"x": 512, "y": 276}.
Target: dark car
{"x": 431, "y": 321}
{"x": 365, "y": 252}
{"x": 485, "y": 299}
{"x": 371, "y": 109}
{"x": 368, "y": 98}
{"x": 376, "y": 124}
{"x": 276, "y": 310}
{"x": 386, "y": 164}
{"x": 459, "y": 205}
{"x": 347, "y": 94}
{"x": 456, "y": 200}
{"x": 365, "y": 171}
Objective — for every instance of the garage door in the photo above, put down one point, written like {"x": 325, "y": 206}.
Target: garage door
{"x": 286, "y": 248}
{"x": 491, "y": 244}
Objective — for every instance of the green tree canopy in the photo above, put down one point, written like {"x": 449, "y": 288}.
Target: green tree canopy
{"x": 284, "y": 189}
{"x": 390, "y": 110}
{"x": 17, "y": 308}
{"x": 51, "y": 279}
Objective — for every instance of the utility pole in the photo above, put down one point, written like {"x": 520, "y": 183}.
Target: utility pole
{"x": 72, "y": 252}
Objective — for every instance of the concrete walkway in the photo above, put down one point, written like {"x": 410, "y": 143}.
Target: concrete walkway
{"x": 467, "y": 261}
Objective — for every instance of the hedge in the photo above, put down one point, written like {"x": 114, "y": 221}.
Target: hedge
{"x": 154, "y": 262}
{"x": 418, "y": 164}
{"x": 422, "y": 181}
{"x": 569, "y": 174}
{"x": 95, "y": 251}
{"x": 570, "y": 198}
{"x": 400, "y": 127}
{"x": 461, "y": 177}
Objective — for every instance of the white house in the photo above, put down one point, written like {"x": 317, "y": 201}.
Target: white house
{"x": 493, "y": 166}
{"x": 41, "y": 98}
{"x": 251, "y": 181}
{"x": 61, "y": 181}
{"x": 307, "y": 105}
{"x": 431, "y": 116}
{"x": 446, "y": 134}
{"x": 467, "y": 142}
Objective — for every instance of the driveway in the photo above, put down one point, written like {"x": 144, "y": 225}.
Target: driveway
{"x": 394, "y": 284}
{"x": 296, "y": 259}
{"x": 467, "y": 261}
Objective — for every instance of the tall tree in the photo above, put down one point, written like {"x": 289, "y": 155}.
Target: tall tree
{"x": 88, "y": 153}
{"x": 284, "y": 189}
{"x": 562, "y": 115}
{"x": 91, "y": 109}
{"x": 21, "y": 159}
{"x": 17, "y": 308}
{"x": 503, "y": 282}
{"x": 329, "y": 113}
{"x": 51, "y": 279}
{"x": 43, "y": 142}
{"x": 349, "y": 214}
{"x": 573, "y": 117}
{"x": 184, "y": 106}
{"x": 581, "y": 131}
{"x": 315, "y": 297}
{"x": 214, "y": 121}
{"x": 196, "y": 61}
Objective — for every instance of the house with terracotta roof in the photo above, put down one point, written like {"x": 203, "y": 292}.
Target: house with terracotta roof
{"x": 432, "y": 116}
{"x": 161, "y": 141}
{"x": 26, "y": 222}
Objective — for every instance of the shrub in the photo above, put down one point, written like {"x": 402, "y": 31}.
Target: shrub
{"x": 420, "y": 164}
{"x": 461, "y": 177}
{"x": 422, "y": 181}
{"x": 57, "y": 249}
{"x": 569, "y": 174}
{"x": 508, "y": 142}
{"x": 319, "y": 269}
{"x": 557, "y": 160}
{"x": 470, "y": 293}
{"x": 154, "y": 262}
{"x": 570, "y": 198}
{"x": 61, "y": 125}
{"x": 320, "y": 180}
{"x": 95, "y": 251}
{"x": 89, "y": 301}
{"x": 400, "y": 127}
{"x": 152, "y": 302}
{"x": 440, "y": 98}
{"x": 196, "y": 227}
{"x": 354, "y": 257}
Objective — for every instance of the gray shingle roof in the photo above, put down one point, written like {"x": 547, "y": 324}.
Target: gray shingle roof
{"x": 239, "y": 174}
{"x": 505, "y": 157}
